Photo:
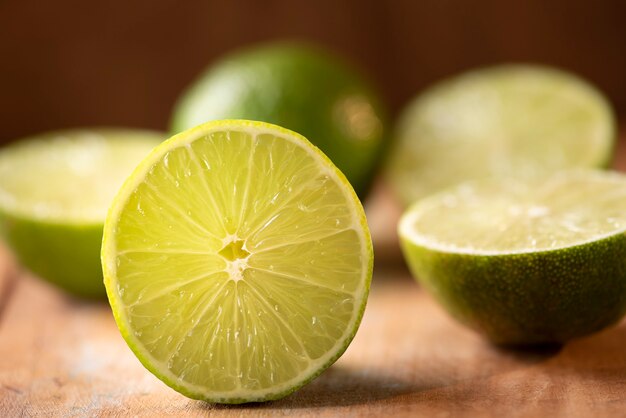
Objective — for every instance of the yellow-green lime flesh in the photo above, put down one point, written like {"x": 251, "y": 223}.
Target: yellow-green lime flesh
{"x": 507, "y": 121}
{"x": 524, "y": 263}
{"x": 55, "y": 189}
{"x": 237, "y": 261}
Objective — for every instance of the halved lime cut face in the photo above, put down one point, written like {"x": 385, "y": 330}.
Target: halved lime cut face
{"x": 55, "y": 190}
{"x": 524, "y": 262}
{"x": 503, "y": 217}
{"x": 237, "y": 261}
{"x": 70, "y": 176}
{"x": 508, "y": 121}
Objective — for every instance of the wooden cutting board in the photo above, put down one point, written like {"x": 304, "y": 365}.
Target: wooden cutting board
{"x": 64, "y": 357}
{"x": 60, "y": 356}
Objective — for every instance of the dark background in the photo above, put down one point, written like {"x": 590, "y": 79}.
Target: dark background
{"x": 68, "y": 63}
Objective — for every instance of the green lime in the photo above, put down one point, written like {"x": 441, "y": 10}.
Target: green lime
{"x": 524, "y": 262}
{"x": 301, "y": 88}
{"x": 54, "y": 193}
{"x": 237, "y": 261}
{"x": 514, "y": 120}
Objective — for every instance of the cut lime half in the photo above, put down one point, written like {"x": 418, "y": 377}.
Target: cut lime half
{"x": 524, "y": 262}
{"x": 55, "y": 190}
{"x": 508, "y": 121}
{"x": 237, "y": 261}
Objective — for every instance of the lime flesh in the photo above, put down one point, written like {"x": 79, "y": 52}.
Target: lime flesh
{"x": 524, "y": 263}
{"x": 55, "y": 189}
{"x": 508, "y": 121}
{"x": 237, "y": 261}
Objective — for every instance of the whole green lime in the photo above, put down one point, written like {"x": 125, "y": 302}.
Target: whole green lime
{"x": 301, "y": 88}
{"x": 55, "y": 190}
{"x": 524, "y": 263}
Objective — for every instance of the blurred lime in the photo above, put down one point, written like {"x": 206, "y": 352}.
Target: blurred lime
{"x": 237, "y": 261}
{"x": 54, "y": 193}
{"x": 524, "y": 263}
{"x": 514, "y": 120}
{"x": 298, "y": 87}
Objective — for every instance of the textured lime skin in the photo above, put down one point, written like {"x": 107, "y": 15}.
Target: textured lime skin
{"x": 41, "y": 245}
{"x": 119, "y": 308}
{"x": 528, "y": 298}
{"x": 301, "y": 88}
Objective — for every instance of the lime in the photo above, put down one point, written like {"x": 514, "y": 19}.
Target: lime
{"x": 237, "y": 261}
{"x": 301, "y": 88}
{"x": 513, "y": 120}
{"x": 54, "y": 193}
{"x": 524, "y": 262}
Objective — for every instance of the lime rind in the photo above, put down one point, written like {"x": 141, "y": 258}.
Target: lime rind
{"x": 44, "y": 248}
{"x": 520, "y": 294}
{"x": 517, "y": 299}
{"x": 109, "y": 267}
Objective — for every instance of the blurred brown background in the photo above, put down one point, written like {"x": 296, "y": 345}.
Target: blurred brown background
{"x": 71, "y": 63}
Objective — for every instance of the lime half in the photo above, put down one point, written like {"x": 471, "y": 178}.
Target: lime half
{"x": 512, "y": 121}
{"x": 237, "y": 261}
{"x": 524, "y": 262}
{"x": 54, "y": 193}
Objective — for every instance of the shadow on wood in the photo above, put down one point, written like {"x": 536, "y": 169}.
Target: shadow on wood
{"x": 338, "y": 386}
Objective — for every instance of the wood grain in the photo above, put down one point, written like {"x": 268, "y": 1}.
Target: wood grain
{"x": 64, "y": 357}
{"x": 8, "y": 276}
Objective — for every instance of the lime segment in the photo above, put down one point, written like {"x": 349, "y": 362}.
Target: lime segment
{"x": 237, "y": 261}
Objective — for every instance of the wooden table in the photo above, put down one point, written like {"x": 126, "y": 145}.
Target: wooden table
{"x": 60, "y": 356}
